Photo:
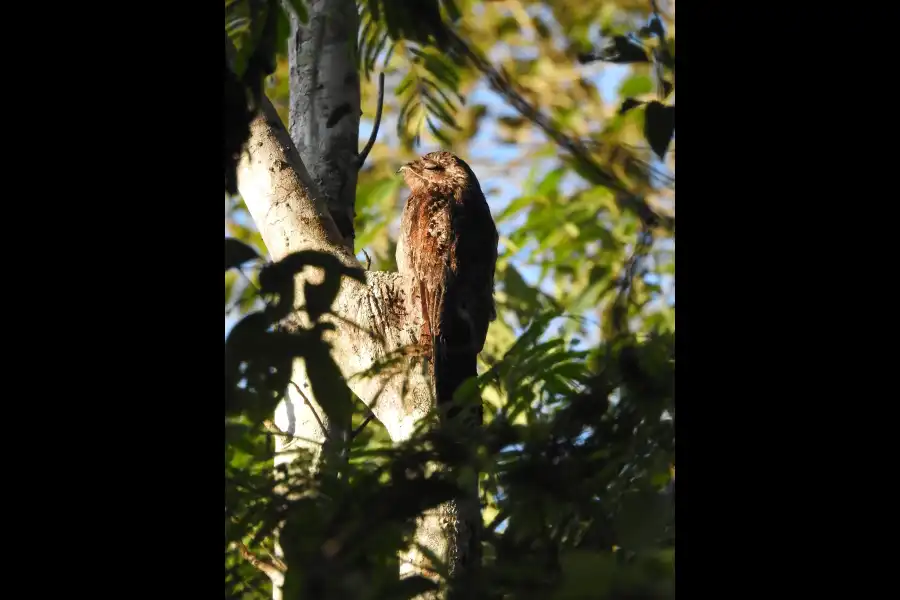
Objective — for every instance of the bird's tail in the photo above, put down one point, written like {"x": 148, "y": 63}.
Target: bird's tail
{"x": 453, "y": 358}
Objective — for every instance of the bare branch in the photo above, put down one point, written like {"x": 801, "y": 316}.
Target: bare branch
{"x": 371, "y": 142}
{"x": 273, "y": 570}
{"x": 362, "y": 426}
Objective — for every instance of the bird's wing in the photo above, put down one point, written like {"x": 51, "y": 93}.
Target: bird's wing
{"x": 429, "y": 252}
{"x": 476, "y": 257}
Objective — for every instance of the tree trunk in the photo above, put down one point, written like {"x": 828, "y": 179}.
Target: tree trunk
{"x": 371, "y": 322}
{"x": 324, "y": 104}
{"x": 300, "y": 190}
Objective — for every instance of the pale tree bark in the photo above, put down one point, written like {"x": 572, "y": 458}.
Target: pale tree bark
{"x": 300, "y": 190}
{"x": 370, "y": 321}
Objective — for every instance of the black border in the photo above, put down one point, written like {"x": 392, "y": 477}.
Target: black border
{"x": 139, "y": 421}
{"x": 146, "y": 465}
{"x": 763, "y": 164}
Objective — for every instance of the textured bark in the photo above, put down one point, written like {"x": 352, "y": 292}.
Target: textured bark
{"x": 452, "y": 532}
{"x": 300, "y": 190}
{"x": 371, "y": 321}
{"x": 324, "y": 115}
{"x": 371, "y": 324}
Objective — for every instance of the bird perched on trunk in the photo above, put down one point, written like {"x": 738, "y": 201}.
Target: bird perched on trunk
{"x": 447, "y": 252}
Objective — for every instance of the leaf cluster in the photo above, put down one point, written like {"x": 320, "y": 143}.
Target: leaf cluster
{"x": 429, "y": 91}
{"x": 574, "y": 463}
{"x": 649, "y": 45}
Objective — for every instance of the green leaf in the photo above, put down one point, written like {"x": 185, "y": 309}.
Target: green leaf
{"x": 636, "y": 85}
{"x": 521, "y": 297}
{"x": 404, "y": 84}
{"x": 237, "y": 253}
{"x": 436, "y": 131}
{"x": 659, "y": 126}
{"x": 374, "y": 202}
{"x": 440, "y": 92}
{"x": 589, "y": 298}
{"x": 437, "y": 109}
{"x": 507, "y": 26}
{"x": 514, "y": 207}
{"x": 549, "y": 186}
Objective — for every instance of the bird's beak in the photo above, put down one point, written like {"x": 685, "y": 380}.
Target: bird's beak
{"x": 403, "y": 168}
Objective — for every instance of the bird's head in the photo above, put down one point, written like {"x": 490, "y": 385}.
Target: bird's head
{"x": 438, "y": 169}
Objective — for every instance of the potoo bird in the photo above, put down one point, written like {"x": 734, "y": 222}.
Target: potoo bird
{"x": 448, "y": 252}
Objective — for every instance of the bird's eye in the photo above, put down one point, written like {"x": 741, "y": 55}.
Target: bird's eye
{"x": 432, "y": 166}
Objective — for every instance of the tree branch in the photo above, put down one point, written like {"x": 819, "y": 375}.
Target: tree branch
{"x": 297, "y": 209}
{"x": 324, "y": 116}
{"x": 371, "y": 142}
{"x": 362, "y": 425}
{"x": 369, "y": 319}
{"x": 273, "y": 570}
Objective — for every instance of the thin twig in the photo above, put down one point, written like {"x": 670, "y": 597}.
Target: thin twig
{"x": 274, "y": 570}
{"x": 495, "y": 522}
{"x": 368, "y": 147}
{"x": 362, "y": 426}
{"x": 249, "y": 281}
{"x": 237, "y": 303}
{"x": 272, "y": 427}
{"x": 368, "y": 259}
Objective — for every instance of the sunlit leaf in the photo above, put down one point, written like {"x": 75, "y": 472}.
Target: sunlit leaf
{"x": 636, "y": 86}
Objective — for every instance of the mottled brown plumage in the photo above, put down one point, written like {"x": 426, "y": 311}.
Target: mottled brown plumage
{"x": 448, "y": 251}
